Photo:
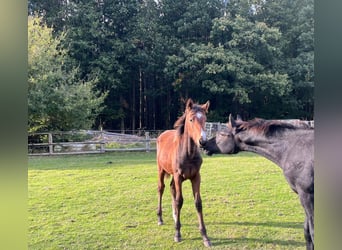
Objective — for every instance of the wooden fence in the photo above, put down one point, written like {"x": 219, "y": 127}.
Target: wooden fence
{"x": 92, "y": 141}
{"x": 88, "y": 142}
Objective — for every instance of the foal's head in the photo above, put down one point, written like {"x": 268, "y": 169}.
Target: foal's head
{"x": 192, "y": 122}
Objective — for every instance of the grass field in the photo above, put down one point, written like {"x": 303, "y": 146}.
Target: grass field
{"x": 109, "y": 201}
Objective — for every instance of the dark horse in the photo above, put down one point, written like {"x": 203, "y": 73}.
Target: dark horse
{"x": 290, "y": 147}
{"x": 178, "y": 155}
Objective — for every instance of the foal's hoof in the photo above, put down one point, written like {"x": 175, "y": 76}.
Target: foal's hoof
{"x": 207, "y": 243}
{"x": 160, "y": 223}
{"x": 177, "y": 239}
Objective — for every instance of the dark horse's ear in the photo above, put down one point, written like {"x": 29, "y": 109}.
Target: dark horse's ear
{"x": 205, "y": 106}
{"x": 231, "y": 122}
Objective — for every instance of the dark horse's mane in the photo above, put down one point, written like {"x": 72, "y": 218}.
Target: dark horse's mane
{"x": 265, "y": 127}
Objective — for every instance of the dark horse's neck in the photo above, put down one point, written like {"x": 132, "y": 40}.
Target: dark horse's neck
{"x": 263, "y": 150}
{"x": 272, "y": 147}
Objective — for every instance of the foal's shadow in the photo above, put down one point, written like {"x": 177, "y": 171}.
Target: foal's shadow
{"x": 228, "y": 241}
{"x": 246, "y": 240}
{"x": 263, "y": 224}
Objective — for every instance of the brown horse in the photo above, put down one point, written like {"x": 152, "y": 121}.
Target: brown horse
{"x": 178, "y": 155}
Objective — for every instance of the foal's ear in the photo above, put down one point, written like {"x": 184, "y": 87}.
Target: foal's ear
{"x": 189, "y": 104}
{"x": 231, "y": 122}
{"x": 205, "y": 106}
{"x": 238, "y": 118}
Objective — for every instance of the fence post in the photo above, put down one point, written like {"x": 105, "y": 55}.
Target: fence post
{"x": 102, "y": 144}
{"x": 50, "y": 143}
{"x": 147, "y": 141}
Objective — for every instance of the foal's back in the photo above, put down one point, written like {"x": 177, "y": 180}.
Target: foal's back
{"x": 167, "y": 144}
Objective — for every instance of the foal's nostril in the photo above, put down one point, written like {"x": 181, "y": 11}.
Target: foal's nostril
{"x": 202, "y": 142}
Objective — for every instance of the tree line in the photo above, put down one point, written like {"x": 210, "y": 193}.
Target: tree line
{"x": 130, "y": 64}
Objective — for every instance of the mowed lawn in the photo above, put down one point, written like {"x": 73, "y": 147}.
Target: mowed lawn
{"x": 109, "y": 201}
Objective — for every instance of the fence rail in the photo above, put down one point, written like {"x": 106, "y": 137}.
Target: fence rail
{"x": 87, "y": 142}
{"x": 93, "y": 142}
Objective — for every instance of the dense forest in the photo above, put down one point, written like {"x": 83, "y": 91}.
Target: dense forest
{"x": 130, "y": 64}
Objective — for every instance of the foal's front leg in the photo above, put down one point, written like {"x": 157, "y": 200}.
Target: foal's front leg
{"x": 161, "y": 187}
{"x": 177, "y": 203}
{"x": 198, "y": 203}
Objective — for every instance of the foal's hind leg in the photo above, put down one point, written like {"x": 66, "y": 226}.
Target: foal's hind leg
{"x": 198, "y": 203}
{"x": 161, "y": 187}
{"x": 173, "y": 196}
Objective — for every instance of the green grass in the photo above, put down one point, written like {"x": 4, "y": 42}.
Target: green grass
{"x": 109, "y": 201}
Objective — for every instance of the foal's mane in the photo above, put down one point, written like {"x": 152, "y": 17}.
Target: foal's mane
{"x": 265, "y": 127}
{"x": 179, "y": 124}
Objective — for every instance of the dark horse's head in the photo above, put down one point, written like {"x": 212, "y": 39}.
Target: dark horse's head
{"x": 224, "y": 141}
{"x": 192, "y": 122}
{"x": 237, "y": 132}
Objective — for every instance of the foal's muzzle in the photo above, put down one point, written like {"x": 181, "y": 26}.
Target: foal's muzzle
{"x": 202, "y": 142}
{"x": 203, "y": 139}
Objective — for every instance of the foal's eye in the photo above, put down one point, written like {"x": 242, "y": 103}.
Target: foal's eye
{"x": 191, "y": 120}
